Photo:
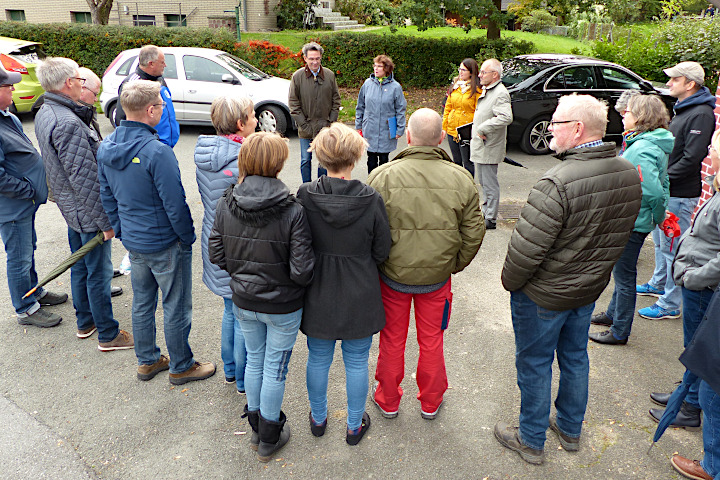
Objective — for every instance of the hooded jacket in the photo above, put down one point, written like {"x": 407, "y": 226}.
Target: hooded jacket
{"x": 142, "y": 191}
{"x": 649, "y": 151}
{"x": 377, "y": 103}
{"x": 350, "y": 238}
{"x": 692, "y": 126}
{"x": 573, "y": 228}
{"x": 261, "y": 237}
{"x": 216, "y": 158}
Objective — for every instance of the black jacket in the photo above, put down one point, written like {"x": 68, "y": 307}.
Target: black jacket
{"x": 262, "y": 239}
{"x": 692, "y": 126}
{"x": 350, "y": 237}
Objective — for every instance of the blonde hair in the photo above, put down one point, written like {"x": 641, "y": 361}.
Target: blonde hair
{"x": 338, "y": 147}
{"x": 263, "y": 154}
{"x": 138, "y": 95}
{"x": 226, "y": 111}
{"x": 649, "y": 112}
{"x": 593, "y": 113}
{"x": 715, "y": 142}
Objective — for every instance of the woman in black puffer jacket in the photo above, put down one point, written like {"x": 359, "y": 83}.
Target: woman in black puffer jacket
{"x": 262, "y": 239}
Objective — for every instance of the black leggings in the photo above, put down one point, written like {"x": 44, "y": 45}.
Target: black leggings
{"x": 375, "y": 159}
{"x": 461, "y": 154}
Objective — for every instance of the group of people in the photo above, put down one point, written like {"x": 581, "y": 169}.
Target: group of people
{"x": 343, "y": 261}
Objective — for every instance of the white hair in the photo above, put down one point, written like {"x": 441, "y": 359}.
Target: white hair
{"x": 495, "y": 65}
{"x": 53, "y": 72}
{"x": 593, "y": 113}
{"x": 90, "y": 77}
{"x": 148, "y": 53}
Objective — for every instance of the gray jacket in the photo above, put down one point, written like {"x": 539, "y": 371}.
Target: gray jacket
{"x": 697, "y": 261}
{"x": 377, "y": 103}
{"x": 69, "y": 147}
{"x": 493, "y": 114}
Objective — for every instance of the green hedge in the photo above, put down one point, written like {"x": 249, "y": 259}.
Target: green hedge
{"x": 419, "y": 62}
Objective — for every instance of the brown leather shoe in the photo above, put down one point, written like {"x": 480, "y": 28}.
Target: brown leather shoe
{"x": 199, "y": 371}
{"x": 123, "y": 341}
{"x": 509, "y": 438}
{"x": 570, "y": 444}
{"x": 148, "y": 372}
{"x": 689, "y": 468}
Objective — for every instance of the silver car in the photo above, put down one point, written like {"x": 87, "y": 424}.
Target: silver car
{"x": 196, "y": 76}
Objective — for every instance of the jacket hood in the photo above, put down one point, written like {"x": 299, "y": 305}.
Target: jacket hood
{"x": 606, "y": 150}
{"x": 258, "y": 193}
{"x": 701, "y": 97}
{"x": 340, "y": 202}
{"x": 85, "y": 113}
{"x": 424, "y": 153}
{"x": 660, "y": 137}
{"x": 386, "y": 79}
{"x": 119, "y": 149}
{"x": 214, "y": 152}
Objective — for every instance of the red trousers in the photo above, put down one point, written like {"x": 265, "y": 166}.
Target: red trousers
{"x": 432, "y": 313}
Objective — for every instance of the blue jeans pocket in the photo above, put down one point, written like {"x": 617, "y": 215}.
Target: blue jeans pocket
{"x": 545, "y": 314}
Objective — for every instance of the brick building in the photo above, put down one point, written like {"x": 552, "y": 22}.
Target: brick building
{"x": 706, "y": 168}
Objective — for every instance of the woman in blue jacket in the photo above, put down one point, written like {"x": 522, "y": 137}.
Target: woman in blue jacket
{"x": 380, "y": 112}
{"x": 216, "y": 158}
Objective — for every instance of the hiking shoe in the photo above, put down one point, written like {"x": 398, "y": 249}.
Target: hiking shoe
{"x": 648, "y": 290}
{"x": 199, "y": 371}
{"x": 571, "y": 444}
{"x": 123, "y": 341}
{"x": 50, "y": 299}
{"x": 86, "y": 332}
{"x": 509, "y": 438}
{"x": 430, "y": 416}
{"x": 148, "y": 372}
{"x": 384, "y": 413}
{"x": 656, "y": 312}
{"x": 40, "y": 318}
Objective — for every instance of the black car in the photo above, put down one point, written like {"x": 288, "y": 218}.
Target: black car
{"x": 535, "y": 83}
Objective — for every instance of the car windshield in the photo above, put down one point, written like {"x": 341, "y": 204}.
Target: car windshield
{"x": 29, "y": 53}
{"x": 242, "y": 67}
{"x": 515, "y": 70}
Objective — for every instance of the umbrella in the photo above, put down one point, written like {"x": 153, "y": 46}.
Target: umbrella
{"x": 99, "y": 239}
{"x": 673, "y": 406}
{"x": 512, "y": 162}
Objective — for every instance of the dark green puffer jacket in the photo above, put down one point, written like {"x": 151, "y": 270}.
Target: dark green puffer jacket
{"x": 574, "y": 227}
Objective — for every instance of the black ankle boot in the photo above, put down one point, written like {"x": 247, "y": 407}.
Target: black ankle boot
{"x": 253, "y": 420}
{"x": 273, "y": 436}
{"x": 688, "y": 417}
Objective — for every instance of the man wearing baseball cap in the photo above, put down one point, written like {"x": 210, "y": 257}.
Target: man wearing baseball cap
{"x": 22, "y": 190}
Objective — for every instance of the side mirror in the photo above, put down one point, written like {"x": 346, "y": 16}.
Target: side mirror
{"x": 227, "y": 78}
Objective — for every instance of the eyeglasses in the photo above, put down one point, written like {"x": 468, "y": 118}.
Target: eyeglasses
{"x": 558, "y": 122}
{"x": 483, "y": 72}
{"x": 463, "y": 69}
{"x": 7, "y": 85}
{"x": 163, "y": 104}
{"x": 82, "y": 80}
{"x": 91, "y": 91}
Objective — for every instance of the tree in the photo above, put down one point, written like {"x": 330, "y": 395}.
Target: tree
{"x": 429, "y": 13}
{"x": 100, "y": 11}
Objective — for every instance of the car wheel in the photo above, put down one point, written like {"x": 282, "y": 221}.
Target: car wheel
{"x": 112, "y": 111}
{"x": 536, "y": 139}
{"x": 271, "y": 119}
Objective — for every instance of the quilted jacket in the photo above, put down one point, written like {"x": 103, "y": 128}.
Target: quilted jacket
{"x": 69, "y": 147}
{"x": 573, "y": 228}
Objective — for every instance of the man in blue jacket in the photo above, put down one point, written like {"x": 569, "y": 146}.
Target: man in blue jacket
{"x": 22, "y": 190}
{"x": 144, "y": 198}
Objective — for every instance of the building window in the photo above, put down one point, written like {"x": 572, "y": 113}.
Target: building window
{"x": 15, "y": 15}
{"x": 175, "y": 20}
{"x": 81, "y": 17}
{"x": 143, "y": 20}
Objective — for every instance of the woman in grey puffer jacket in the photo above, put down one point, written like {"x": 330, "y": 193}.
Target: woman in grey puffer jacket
{"x": 216, "y": 158}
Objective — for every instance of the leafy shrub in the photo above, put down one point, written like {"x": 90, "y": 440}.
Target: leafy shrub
{"x": 537, "y": 20}
{"x": 271, "y": 58}
{"x": 290, "y": 14}
{"x": 369, "y": 12}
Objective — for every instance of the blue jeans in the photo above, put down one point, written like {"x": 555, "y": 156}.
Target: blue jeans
{"x": 683, "y": 208}
{"x": 306, "y": 162}
{"x": 232, "y": 346}
{"x": 539, "y": 333}
{"x": 695, "y": 304}
{"x": 20, "y": 243}
{"x": 622, "y": 304}
{"x": 170, "y": 270}
{"x": 90, "y": 283}
{"x": 269, "y": 340}
{"x": 710, "y": 403}
{"x": 355, "y": 356}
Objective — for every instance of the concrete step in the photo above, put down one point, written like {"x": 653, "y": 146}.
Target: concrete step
{"x": 349, "y": 27}
{"x": 340, "y": 23}
{"x": 333, "y": 19}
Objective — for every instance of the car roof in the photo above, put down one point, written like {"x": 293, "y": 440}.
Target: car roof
{"x": 180, "y": 51}
{"x": 8, "y": 44}
{"x": 562, "y": 58}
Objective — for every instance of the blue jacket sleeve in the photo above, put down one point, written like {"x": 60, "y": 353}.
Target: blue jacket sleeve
{"x": 11, "y": 186}
{"x": 108, "y": 201}
{"x": 400, "y": 107}
{"x": 360, "y": 108}
{"x": 168, "y": 129}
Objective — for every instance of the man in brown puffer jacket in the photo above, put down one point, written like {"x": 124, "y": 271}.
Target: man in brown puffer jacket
{"x": 571, "y": 232}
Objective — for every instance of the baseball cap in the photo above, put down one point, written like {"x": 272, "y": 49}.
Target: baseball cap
{"x": 691, "y": 70}
{"x": 9, "y": 78}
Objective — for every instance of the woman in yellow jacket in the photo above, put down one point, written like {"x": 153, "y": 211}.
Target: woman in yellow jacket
{"x": 462, "y": 98}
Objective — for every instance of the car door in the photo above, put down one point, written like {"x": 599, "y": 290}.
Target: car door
{"x": 203, "y": 83}
{"x": 170, "y": 74}
{"x": 615, "y": 81}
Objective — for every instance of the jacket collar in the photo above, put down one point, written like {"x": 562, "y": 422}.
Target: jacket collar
{"x": 83, "y": 112}
{"x": 606, "y": 150}
{"x": 309, "y": 73}
{"x": 146, "y": 76}
{"x": 424, "y": 153}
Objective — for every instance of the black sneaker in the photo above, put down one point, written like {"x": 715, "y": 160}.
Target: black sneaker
{"x": 115, "y": 291}
{"x": 41, "y": 318}
{"x": 601, "y": 319}
{"x": 50, "y": 299}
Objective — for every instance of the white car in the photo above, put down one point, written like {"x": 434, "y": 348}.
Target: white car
{"x": 196, "y": 76}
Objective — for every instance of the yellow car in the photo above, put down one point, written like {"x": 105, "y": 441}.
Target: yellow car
{"x": 22, "y": 56}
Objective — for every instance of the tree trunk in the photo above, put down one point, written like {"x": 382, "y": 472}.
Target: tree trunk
{"x": 493, "y": 31}
{"x": 100, "y": 11}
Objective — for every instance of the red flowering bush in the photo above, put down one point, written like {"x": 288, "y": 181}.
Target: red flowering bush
{"x": 270, "y": 58}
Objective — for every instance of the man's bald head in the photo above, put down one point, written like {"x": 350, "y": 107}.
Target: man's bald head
{"x": 425, "y": 128}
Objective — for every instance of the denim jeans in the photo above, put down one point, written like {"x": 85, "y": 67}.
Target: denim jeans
{"x": 710, "y": 403}
{"x": 695, "y": 304}
{"x": 269, "y": 340}
{"x": 306, "y": 162}
{"x": 232, "y": 346}
{"x": 539, "y": 333}
{"x": 170, "y": 270}
{"x": 90, "y": 283}
{"x": 461, "y": 154}
{"x": 355, "y": 356}
{"x": 622, "y": 304}
{"x": 683, "y": 208}
{"x": 20, "y": 243}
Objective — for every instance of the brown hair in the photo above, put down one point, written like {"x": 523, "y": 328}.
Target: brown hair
{"x": 649, "y": 111}
{"x": 263, "y": 154}
{"x": 387, "y": 63}
{"x": 338, "y": 147}
{"x": 471, "y": 65}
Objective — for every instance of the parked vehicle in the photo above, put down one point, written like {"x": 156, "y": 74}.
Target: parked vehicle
{"x": 196, "y": 76}
{"x": 22, "y": 56}
{"x": 535, "y": 83}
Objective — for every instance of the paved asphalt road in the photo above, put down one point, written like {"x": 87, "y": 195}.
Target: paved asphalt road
{"x": 68, "y": 411}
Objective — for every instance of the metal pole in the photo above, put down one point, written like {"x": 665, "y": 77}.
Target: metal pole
{"x": 237, "y": 19}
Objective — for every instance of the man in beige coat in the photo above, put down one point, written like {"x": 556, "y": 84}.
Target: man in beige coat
{"x": 493, "y": 114}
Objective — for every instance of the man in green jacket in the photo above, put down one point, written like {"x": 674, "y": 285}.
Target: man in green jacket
{"x": 437, "y": 228}
{"x": 571, "y": 232}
